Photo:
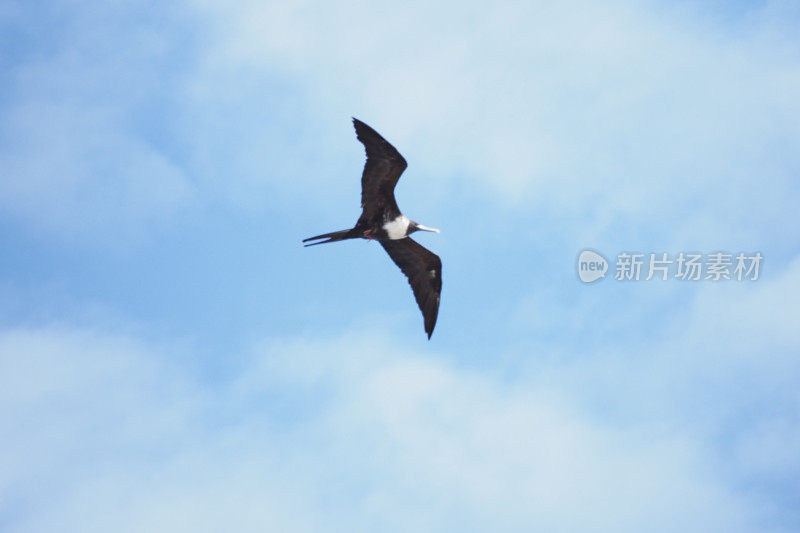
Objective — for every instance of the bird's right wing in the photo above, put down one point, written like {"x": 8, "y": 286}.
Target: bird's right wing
{"x": 423, "y": 269}
{"x": 381, "y": 172}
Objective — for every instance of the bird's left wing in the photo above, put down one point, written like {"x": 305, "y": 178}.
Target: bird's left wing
{"x": 423, "y": 269}
{"x": 381, "y": 171}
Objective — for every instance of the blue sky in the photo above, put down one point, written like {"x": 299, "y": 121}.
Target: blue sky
{"x": 172, "y": 359}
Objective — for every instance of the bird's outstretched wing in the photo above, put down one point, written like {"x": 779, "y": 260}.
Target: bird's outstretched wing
{"x": 381, "y": 171}
{"x": 423, "y": 269}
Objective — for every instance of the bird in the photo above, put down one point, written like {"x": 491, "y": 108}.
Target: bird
{"x": 382, "y": 220}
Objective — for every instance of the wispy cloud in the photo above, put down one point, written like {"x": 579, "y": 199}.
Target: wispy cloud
{"x": 532, "y": 130}
{"x": 76, "y": 160}
{"x": 550, "y": 102}
{"x": 347, "y": 432}
{"x": 358, "y": 432}
{"x": 692, "y": 429}
{"x": 595, "y": 113}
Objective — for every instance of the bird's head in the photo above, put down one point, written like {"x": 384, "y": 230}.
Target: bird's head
{"x": 413, "y": 226}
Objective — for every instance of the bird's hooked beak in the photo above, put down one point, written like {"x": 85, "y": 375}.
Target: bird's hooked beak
{"x": 426, "y": 228}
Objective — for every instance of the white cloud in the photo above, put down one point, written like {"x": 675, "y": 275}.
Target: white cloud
{"x": 596, "y": 111}
{"x": 599, "y": 114}
{"x": 78, "y": 161}
{"x": 625, "y": 115}
{"x": 73, "y": 171}
{"x": 342, "y": 433}
{"x": 721, "y": 370}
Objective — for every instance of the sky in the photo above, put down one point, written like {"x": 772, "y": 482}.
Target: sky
{"x": 172, "y": 359}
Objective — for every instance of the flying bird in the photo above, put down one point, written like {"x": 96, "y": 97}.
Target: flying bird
{"x": 382, "y": 220}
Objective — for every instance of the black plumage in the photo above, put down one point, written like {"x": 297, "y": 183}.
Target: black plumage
{"x": 423, "y": 269}
{"x": 381, "y": 173}
{"x": 382, "y": 220}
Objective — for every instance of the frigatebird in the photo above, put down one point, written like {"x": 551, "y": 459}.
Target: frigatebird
{"x": 382, "y": 220}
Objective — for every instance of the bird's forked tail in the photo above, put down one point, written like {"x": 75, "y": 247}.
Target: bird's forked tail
{"x": 333, "y": 237}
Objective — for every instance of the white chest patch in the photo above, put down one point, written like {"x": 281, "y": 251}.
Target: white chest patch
{"x": 396, "y": 229}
